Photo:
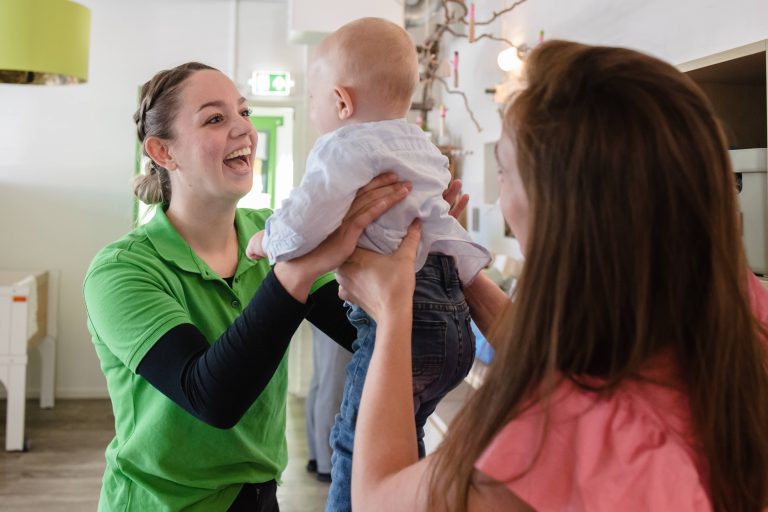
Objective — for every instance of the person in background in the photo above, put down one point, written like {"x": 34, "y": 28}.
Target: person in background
{"x": 323, "y": 401}
{"x": 630, "y": 370}
{"x": 192, "y": 335}
{"x": 362, "y": 80}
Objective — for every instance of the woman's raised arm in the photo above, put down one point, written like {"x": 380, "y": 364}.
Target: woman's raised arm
{"x": 386, "y": 472}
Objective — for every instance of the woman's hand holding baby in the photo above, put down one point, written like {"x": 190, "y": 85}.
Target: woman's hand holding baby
{"x": 457, "y": 201}
{"x": 382, "y": 285}
{"x": 255, "y": 250}
{"x": 381, "y": 194}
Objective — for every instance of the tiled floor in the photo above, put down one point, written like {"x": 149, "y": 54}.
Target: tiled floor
{"x": 300, "y": 491}
{"x": 62, "y": 470}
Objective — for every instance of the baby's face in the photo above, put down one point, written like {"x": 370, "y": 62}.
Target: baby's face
{"x": 323, "y": 110}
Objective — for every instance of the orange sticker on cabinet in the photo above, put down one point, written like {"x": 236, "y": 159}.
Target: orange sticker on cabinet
{"x": 19, "y": 298}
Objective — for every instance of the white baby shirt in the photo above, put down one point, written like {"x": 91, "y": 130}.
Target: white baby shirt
{"x": 348, "y": 158}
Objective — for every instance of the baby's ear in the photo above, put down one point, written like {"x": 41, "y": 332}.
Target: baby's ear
{"x": 344, "y": 106}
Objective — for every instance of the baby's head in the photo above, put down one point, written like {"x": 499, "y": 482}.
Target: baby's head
{"x": 365, "y": 71}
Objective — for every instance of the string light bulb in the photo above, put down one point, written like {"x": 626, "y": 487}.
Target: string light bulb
{"x": 511, "y": 60}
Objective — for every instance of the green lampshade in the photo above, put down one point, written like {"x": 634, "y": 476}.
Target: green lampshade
{"x": 44, "y": 42}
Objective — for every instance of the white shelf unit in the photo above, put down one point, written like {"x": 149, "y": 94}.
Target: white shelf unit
{"x": 735, "y": 83}
{"x": 28, "y": 321}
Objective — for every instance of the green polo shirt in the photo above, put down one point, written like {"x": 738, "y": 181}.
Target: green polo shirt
{"x": 162, "y": 458}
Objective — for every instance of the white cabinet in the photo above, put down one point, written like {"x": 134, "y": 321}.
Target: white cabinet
{"x": 735, "y": 83}
{"x": 309, "y": 20}
{"x": 28, "y": 320}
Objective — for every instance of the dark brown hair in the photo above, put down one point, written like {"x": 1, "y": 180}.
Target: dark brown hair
{"x": 634, "y": 248}
{"x": 158, "y": 105}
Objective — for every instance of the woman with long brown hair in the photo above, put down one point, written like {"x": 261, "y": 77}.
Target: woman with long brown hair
{"x": 630, "y": 371}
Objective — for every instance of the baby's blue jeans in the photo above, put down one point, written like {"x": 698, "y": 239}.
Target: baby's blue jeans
{"x": 442, "y": 354}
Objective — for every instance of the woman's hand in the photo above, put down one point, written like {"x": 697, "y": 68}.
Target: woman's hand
{"x": 456, "y": 200}
{"x": 382, "y": 285}
{"x": 381, "y": 194}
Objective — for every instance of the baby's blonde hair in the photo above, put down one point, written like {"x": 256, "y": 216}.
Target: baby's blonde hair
{"x": 378, "y": 58}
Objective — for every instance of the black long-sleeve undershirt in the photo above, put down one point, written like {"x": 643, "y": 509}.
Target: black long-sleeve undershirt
{"x": 218, "y": 382}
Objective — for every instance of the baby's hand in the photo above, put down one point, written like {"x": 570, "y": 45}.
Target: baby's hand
{"x": 254, "y": 249}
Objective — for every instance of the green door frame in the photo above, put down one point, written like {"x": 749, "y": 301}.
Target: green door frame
{"x": 269, "y": 124}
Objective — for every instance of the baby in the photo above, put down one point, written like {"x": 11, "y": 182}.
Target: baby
{"x": 361, "y": 82}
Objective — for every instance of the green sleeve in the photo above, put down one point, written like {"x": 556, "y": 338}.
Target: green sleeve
{"x": 129, "y": 309}
{"x": 322, "y": 281}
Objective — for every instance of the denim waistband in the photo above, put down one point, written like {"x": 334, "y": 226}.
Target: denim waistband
{"x": 440, "y": 268}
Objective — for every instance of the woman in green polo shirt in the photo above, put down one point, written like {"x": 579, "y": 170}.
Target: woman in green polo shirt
{"x": 191, "y": 334}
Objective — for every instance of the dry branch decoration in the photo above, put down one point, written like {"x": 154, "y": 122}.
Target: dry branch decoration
{"x": 454, "y": 13}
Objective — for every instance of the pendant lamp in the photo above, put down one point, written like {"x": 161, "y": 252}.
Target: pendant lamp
{"x": 44, "y": 42}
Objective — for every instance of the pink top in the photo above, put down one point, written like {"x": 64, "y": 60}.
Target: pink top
{"x": 758, "y": 296}
{"x": 632, "y": 450}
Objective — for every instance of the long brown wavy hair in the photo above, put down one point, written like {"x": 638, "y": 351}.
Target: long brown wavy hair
{"x": 634, "y": 247}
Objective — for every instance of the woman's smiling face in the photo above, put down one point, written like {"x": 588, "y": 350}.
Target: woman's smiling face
{"x": 214, "y": 141}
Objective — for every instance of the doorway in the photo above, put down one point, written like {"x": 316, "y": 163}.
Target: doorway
{"x": 273, "y": 162}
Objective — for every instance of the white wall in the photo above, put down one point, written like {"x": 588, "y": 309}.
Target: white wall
{"x": 674, "y": 30}
{"x": 67, "y": 153}
{"x": 67, "y": 156}
{"x": 309, "y": 20}
{"x": 262, "y": 44}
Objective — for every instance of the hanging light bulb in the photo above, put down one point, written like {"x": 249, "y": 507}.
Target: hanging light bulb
{"x": 44, "y": 42}
{"x": 510, "y": 60}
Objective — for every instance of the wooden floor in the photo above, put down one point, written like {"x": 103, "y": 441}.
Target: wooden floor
{"x": 62, "y": 469}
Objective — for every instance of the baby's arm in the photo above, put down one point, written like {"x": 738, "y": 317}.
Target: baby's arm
{"x": 255, "y": 250}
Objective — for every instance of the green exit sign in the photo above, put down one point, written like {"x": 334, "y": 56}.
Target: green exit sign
{"x": 271, "y": 83}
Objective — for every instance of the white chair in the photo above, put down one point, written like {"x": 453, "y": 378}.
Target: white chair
{"x": 28, "y": 320}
